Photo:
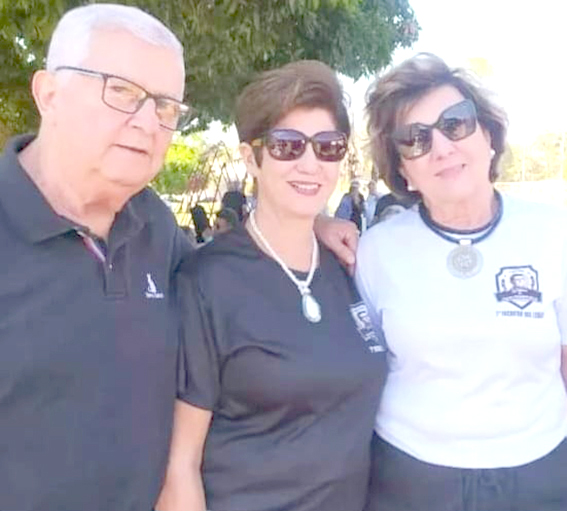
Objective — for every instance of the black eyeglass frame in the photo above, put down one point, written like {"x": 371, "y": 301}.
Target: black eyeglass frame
{"x": 264, "y": 142}
{"x": 185, "y": 110}
{"x": 400, "y": 140}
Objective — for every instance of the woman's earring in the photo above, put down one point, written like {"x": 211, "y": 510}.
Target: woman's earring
{"x": 409, "y": 186}
{"x": 492, "y": 153}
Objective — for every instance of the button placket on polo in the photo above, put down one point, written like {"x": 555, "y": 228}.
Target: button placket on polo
{"x": 115, "y": 271}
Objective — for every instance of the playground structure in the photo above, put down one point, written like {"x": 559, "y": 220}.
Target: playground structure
{"x": 219, "y": 170}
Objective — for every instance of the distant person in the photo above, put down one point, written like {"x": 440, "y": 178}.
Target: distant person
{"x": 201, "y": 222}
{"x": 370, "y": 203}
{"x": 190, "y": 234}
{"x": 251, "y": 200}
{"x": 226, "y": 220}
{"x": 390, "y": 205}
{"x": 351, "y": 206}
{"x": 235, "y": 200}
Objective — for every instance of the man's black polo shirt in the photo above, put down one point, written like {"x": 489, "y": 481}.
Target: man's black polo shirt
{"x": 87, "y": 353}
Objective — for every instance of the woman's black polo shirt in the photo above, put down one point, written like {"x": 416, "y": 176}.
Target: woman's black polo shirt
{"x": 293, "y": 402}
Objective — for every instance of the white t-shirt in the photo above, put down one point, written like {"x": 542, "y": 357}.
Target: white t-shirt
{"x": 475, "y": 363}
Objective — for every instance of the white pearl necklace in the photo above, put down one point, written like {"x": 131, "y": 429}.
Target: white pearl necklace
{"x": 309, "y": 305}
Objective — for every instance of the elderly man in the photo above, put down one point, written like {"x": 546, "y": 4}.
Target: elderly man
{"x": 87, "y": 341}
{"x": 88, "y": 338}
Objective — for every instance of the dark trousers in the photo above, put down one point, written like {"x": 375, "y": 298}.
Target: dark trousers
{"x": 400, "y": 482}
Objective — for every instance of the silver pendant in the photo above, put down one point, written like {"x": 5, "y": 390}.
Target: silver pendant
{"x": 464, "y": 261}
{"x": 311, "y": 308}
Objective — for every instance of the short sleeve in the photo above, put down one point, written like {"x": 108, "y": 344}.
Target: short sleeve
{"x": 363, "y": 278}
{"x": 182, "y": 247}
{"x": 198, "y": 380}
{"x": 561, "y": 302}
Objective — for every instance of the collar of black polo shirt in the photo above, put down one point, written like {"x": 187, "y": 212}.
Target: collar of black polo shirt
{"x": 33, "y": 216}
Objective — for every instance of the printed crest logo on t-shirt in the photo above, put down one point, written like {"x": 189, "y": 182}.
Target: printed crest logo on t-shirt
{"x": 364, "y": 326}
{"x": 518, "y": 285}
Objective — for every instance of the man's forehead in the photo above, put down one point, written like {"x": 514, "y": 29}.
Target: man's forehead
{"x": 117, "y": 51}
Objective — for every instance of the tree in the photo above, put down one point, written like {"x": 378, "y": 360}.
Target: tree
{"x": 543, "y": 158}
{"x": 510, "y": 168}
{"x": 182, "y": 162}
{"x": 225, "y": 41}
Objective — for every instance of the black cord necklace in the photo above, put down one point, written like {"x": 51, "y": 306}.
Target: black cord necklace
{"x": 464, "y": 261}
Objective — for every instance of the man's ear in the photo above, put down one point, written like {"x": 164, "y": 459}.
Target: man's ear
{"x": 249, "y": 159}
{"x": 44, "y": 89}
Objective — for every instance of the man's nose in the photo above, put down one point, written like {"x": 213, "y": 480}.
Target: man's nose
{"x": 146, "y": 117}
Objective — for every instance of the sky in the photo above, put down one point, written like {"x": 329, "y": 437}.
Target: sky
{"x": 525, "y": 42}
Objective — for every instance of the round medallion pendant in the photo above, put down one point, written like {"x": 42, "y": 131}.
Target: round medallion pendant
{"x": 311, "y": 309}
{"x": 464, "y": 261}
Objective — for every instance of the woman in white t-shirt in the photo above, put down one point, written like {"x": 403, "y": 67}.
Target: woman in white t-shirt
{"x": 469, "y": 288}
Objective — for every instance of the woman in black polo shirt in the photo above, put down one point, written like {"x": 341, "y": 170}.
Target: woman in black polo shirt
{"x": 280, "y": 368}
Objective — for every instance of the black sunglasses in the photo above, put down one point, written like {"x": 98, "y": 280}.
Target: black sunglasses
{"x": 288, "y": 145}
{"x": 456, "y": 122}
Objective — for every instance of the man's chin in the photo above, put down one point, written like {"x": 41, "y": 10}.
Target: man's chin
{"x": 127, "y": 179}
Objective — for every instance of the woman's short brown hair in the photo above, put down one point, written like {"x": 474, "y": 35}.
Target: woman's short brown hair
{"x": 273, "y": 94}
{"x": 392, "y": 95}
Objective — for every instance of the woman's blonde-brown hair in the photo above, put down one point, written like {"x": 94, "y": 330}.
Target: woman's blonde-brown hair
{"x": 392, "y": 95}
{"x": 275, "y": 93}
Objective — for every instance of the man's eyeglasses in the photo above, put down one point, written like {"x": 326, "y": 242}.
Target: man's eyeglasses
{"x": 456, "y": 122}
{"x": 129, "y": 97}
{"x": 288, "y": 144}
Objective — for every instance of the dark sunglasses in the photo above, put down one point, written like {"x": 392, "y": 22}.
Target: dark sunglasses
{"x": 456, "y": 122}
{"x": 288, "y": 145}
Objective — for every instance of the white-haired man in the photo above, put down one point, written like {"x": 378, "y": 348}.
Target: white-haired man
{"x": 87, "y": 340}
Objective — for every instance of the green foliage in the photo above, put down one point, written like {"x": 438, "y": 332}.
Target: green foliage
{"x": 183, "y": 161}
{"x": 226, "y": 42}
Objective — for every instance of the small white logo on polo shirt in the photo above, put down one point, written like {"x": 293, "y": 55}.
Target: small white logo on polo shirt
{"x": 152, "y": 290}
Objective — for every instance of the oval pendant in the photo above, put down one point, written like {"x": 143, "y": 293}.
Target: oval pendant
{"x": 464, "y": 261}
{"x": 311, "y": 309}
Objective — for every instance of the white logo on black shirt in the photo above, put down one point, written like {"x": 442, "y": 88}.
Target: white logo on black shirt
{"x": 152, "y": 291}
{"x": 364, "y": 326}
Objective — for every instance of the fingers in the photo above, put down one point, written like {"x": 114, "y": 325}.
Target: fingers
{"x": 341, "y": 237}
{"x": 350, "y": 268}
{"x": 351, "y": 238}
{"x": 345, "y": 244}
{"x": 344, "y": 253}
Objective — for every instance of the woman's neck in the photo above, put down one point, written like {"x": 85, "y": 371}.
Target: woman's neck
{"x": 464, "y": 214}
{"x": 291, "y": 238}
